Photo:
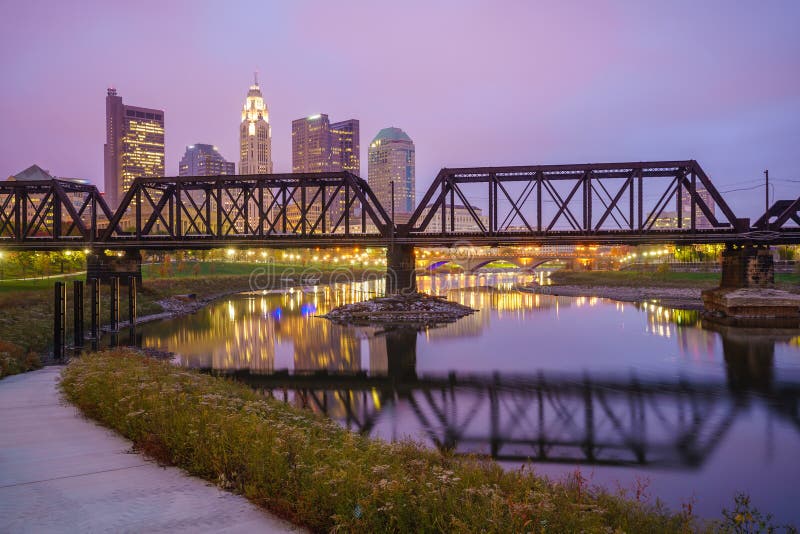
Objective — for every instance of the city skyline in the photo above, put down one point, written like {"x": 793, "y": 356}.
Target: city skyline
{"x": 696, "y": 83}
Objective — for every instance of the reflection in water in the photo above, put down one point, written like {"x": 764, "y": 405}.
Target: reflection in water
{"x": 558, "y": 380}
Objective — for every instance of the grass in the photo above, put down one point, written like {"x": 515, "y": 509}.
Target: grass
{"x": 27, "y": 311}
{"x": 14, "y": 359}
{"x": 655, "y": 279}
{"x": 306, "y": 468}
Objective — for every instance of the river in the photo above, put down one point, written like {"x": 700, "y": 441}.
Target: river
{"x": 633, "y": 395}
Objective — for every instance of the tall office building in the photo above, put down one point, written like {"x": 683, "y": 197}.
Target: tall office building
{"x": 701, "y": 221}
{"x": 134, "y": 146}
{"x": 255, "y": 134}
{"x": 345, "y": 146}
{"x": 391, "y": 159}
{"x": 321, "y": 146}
{"x": 204, "y": 160}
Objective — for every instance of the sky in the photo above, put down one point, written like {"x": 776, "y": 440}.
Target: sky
{"x": 472, "y": 82}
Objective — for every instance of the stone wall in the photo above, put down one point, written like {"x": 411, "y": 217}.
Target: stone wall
{"x": 747, "y": 266}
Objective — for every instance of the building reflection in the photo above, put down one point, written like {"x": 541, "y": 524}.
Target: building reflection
{"x": 275, "y": 341}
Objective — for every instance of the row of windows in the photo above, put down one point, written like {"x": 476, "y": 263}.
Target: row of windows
{"x": 142, "y": 115}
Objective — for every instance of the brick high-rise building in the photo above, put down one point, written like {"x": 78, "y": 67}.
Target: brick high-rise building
{"x": 255, "y": 134}
{"x": 134, "y": 146}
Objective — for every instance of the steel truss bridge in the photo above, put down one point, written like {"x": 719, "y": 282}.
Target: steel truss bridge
{"x": 608, "y": 203}
{"x": 543, "y": 418}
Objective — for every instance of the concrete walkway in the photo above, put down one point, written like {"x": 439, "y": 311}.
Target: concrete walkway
{"x": 60, "y": 472}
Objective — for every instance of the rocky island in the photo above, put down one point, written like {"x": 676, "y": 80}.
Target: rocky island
{"x": 415, "y": 309}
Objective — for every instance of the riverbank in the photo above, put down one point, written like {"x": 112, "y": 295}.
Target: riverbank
{"x": 672, "y": 290}
{"x": 309, "y": 469}
{"x": 89, "y": 480}
{"x": 26, "y": 321}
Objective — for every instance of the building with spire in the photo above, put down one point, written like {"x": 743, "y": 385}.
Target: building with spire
{"x": 134, "y": 146}
{"x": 255, "y": 134}
{"x": 391, "y": 160}
{"x": 204, "y": 160}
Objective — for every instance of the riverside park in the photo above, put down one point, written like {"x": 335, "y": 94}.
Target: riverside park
{"x": 548, "y": 291}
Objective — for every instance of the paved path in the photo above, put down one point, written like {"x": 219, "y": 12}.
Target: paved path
{"x": 62, "y": 473}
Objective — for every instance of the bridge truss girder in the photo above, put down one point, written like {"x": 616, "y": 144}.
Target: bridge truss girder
{"x": 271, "y": 207}
{"x": 589, "y": 198}
{"x": 46, "y": 211}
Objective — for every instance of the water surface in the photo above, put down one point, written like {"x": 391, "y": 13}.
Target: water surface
{"x": 627, "y": 393}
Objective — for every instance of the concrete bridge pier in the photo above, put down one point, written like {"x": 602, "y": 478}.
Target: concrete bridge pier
{"x": 747, "y": 288}
{"x": 102, "y": 266}
{"x": 401, "y": 276}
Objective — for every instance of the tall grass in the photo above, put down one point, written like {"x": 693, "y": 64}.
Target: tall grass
{"x": 14, "y": 359}
{"x": 310, "y": 470}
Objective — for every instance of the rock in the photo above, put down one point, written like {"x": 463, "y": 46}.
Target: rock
{"x": 417, "y": 309}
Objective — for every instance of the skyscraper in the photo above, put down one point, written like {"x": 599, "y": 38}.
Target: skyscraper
{"x": 701, "y": 221}
{"x": 311, "y": 144}
{"x": 204, "y": 160}
{"x": 319, "y": 146}
{"x": 391, "y": 159}
{"x": 345, "y": 146}
{"x": 134, "y": 146}
{"x": 255, "y": 134}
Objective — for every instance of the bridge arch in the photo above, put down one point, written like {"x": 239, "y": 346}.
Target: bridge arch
{"x": 473, "y": 264}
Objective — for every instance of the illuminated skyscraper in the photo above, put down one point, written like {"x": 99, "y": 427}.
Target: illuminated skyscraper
{"x": 391, "y": 159}
{"x": 134, "y": 146}
{"x": 255, "y": 134}
{"x": 319, "y": 146}
{"x": 701, "y": 221}
{"x": 345, "y": 146}
{"x": 204, "y": 160}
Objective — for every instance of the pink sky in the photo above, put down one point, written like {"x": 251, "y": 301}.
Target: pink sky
{"x": 473, "y": 83}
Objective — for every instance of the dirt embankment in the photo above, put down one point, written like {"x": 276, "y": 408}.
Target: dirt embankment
{"x": 671, "y": 297}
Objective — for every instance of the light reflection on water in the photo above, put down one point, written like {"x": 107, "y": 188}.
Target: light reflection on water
{"x": 624, "y": 390}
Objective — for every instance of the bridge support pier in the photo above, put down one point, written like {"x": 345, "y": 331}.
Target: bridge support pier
{"x": 747, "y": 266}
{"x": 104, "y": 267}
{"x": 747, "y": 287}
{"x": 401, "y": 276}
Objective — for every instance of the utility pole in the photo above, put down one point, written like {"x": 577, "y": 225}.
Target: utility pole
{"x": 393, "y": 225}
{"x": 766, "y": 192}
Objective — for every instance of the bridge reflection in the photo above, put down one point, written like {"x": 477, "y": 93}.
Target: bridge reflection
{"x": 544, "y": 417}
{"x": 369, "y": 379}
